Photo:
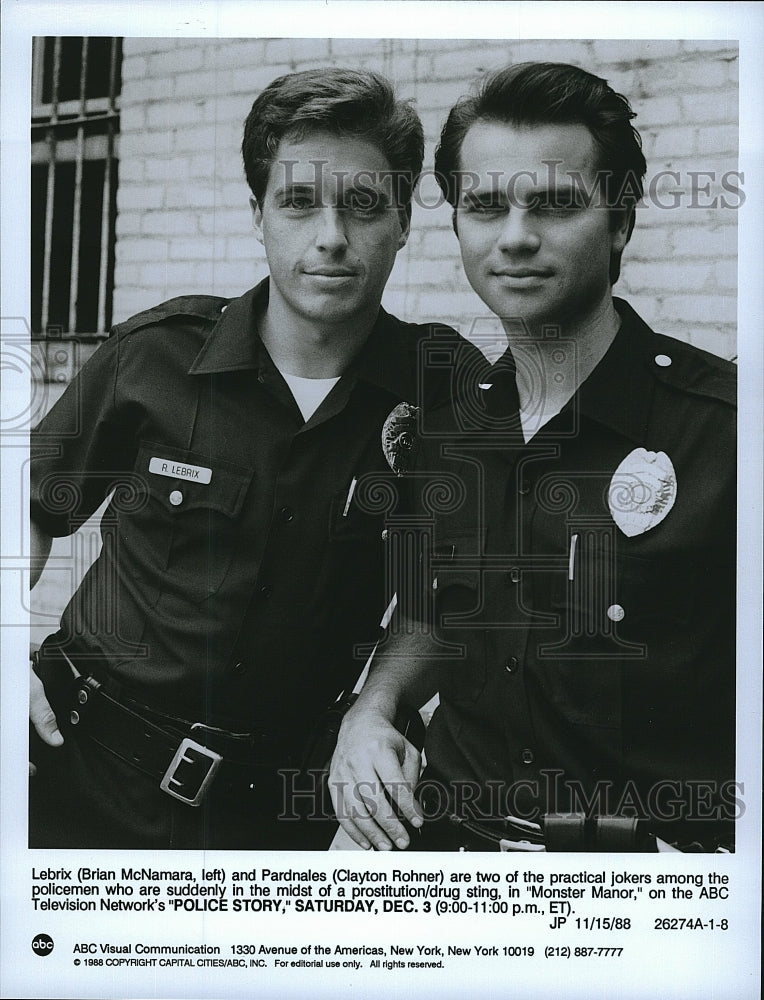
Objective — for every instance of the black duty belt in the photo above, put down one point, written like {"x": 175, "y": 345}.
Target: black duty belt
{"x": 569, "y": 832}
{"x": 185, "y": 758}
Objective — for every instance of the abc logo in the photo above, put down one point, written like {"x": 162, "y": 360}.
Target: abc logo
{"x": 42, "y": 944}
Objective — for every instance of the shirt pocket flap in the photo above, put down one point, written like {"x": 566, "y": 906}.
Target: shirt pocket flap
{"x": 457, "y": 581}
{"x": 347, "y": 524}
{"x": 657, "y": 592}
{"x": 454, "y": 563}
{"x": 224, "y": 490}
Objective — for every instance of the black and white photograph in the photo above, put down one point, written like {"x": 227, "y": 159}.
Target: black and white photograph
{"x": 381, "y": 501}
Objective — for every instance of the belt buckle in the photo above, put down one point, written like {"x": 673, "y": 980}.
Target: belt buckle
{"x": 214, "y": 760}
{"x": 528, "y": 835}
{"x": 519, "y": 845}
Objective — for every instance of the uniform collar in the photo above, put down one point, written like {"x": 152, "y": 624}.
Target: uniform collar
{"x": 618, "y": 393}
{"x": 388, "y": 358}
{"x": 234, "y": 344}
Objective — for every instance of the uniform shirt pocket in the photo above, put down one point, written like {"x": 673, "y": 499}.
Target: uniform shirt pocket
{"x": 184, "y": 536}
{"x": 624, "y": 625}
{"x": 656, "y": 593}
{"x": 458, "y": 601}
{"x": 354, "y": 579}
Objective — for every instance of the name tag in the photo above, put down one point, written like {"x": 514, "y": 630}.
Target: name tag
{"x": 176, "y": 470}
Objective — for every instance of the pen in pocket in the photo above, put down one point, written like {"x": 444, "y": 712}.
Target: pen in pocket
{"x": 572, "y": 557}
{"x": 349, "y": 500}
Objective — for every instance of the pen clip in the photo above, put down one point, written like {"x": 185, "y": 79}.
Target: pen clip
{"x": 572, "y": 556}
{"x": 349, "y": 500}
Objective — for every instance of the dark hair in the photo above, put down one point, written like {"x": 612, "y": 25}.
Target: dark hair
{"x": 342, "y": 101}
{"x": 548, "y": 94}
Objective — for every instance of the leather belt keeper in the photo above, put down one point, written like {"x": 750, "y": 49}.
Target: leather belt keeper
{"x": 576, "y": 832}
{"x": 185, "y": 761}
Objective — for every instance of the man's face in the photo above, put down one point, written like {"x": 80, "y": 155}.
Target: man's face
{"x": 330, "y": 228}
{"x": 531, "y": 248}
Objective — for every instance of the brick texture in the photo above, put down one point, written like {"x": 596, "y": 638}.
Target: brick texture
{"x": 184, "y": 223}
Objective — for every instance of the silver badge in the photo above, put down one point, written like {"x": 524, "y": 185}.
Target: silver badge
{"x": 642, "y": 491}
{"x": 398, "y": 434}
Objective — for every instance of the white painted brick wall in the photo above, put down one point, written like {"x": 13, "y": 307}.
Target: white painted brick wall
{"x": 184, "y": 223}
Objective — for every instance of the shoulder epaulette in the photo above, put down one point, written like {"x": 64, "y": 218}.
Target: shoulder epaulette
{"x": 698, "y": 372}
{"x": 680, "y": 365}
{"x": 206, "y": 307}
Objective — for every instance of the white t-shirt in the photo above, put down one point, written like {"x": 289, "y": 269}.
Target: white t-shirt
{"x": 309, "y": 393}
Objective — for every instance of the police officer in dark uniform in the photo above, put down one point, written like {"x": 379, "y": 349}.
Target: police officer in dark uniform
{"x": 582, "y": 625}
{"x": 243, "y": 571}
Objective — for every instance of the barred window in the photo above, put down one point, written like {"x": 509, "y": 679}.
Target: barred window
{"x": 75, "y": 131}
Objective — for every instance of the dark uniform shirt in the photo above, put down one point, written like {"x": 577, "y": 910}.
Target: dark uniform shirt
{"x": 243, "y": 572}
{"x": 595, "y": 670}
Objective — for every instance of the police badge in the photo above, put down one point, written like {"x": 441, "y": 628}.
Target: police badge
{"x": 398, "y": 435}
{"x": 642, "y": 491}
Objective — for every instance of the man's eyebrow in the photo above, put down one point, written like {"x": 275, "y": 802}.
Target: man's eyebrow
{"x": 503, "y": 182}
{"x": 366, "y": 192}
{"x": 569, "y": 187}
{"x": 296, "y": 187}
{"x": 550, "y": 190}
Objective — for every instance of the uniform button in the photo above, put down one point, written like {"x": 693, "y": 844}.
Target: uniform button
{"x": 176, "y": 498}
{"x": 287, "y": 514}
{"x": 615, "y": 613}
{"x": 265, "y": 590}
{"x": 512, "y": 664}
{"x": 662, "y": 360}
{"x": 527, "y": 756}
{"x": 385, "y": 534}
{"x": 82, "y": 696}
{"x": 239, "y": 668}
{"x": 223, "y": 309}
{"x": 514, "y": 575}
{"x": 74, "y": 718}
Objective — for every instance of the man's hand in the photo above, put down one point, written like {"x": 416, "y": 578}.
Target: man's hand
{"x": 41, "y": 715}
{"x": 374, "y": 770}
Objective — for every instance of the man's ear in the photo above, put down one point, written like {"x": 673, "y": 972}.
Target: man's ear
{"x": 405, "y": 218}
{"x": 621, "y": 233}
{"x": 257, "y": 218}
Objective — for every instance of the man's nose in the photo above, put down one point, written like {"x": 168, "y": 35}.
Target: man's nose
{"x": 519, "y": 232}
{"x": 331, "y": 235}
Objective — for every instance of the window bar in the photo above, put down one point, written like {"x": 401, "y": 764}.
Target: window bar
{"x": 50, "y": 139}
{"x": 38, "y": 72}
{"x": 77, "y": 208}
{"x": 106, "y": 221}
{"x": 113, "y": 74}
{"x": 105, "y": 228}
